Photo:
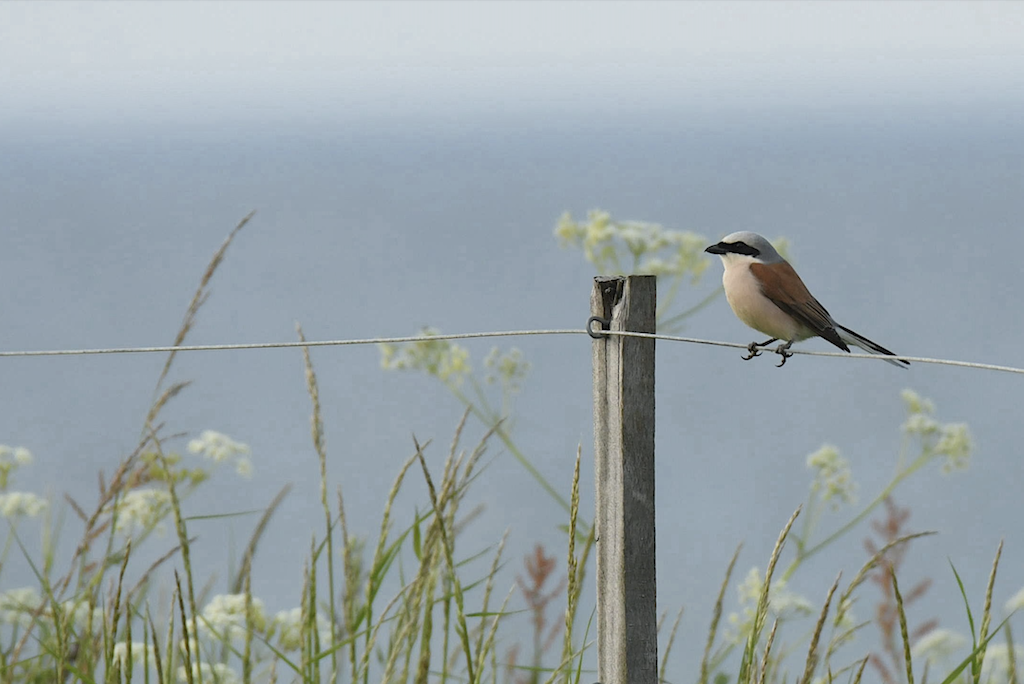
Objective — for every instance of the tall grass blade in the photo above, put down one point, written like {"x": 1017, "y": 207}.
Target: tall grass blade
{"x": 903, "y": 625}
{"x": 812, "y": 653}
{"x": 716, "y": 616}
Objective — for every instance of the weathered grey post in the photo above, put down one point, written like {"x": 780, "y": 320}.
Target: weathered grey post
{"x": 627, "y": 641}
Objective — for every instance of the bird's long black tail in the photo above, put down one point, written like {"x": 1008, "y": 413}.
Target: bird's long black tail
{"x": 867, "y": 345}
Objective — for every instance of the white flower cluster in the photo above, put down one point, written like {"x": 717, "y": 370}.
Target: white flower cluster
{"x": 140, "y": 655}
{"x": 287, "y": 624}
{"x": 140, "y": 509}
{"x": 1015, "y": 603}
{"x": 998, "y": 664}
{"x": 940, "y": 646}
{"x": 21, "y": 505}
{"x": 937, "y": 646}
{"x": 442, "y": 358}
{"x": 952, "y": 440}
{"x": 509, "y": 368}
{"x": 79, "y": 611}
{"x": 219, "y": 448}
{"x": 14, "y": 505}
{"x": 224, "y": 616}
{"x": 782, "y": 602}
{"x": 17, "y": 606}
{"x": 832, "y": 478}
{"x": 652, "y": 248}
{"x": 15, "y": 456}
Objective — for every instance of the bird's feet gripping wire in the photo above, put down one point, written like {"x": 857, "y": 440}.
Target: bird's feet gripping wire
{"x": 783, "y": 351}
{"x": 753, "y": 350}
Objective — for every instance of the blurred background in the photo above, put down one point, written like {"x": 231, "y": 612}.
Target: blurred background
{"x": 408, "y": 163}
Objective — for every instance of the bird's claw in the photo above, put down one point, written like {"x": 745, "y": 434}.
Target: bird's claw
{"x": 752, "y": 348}
{"x": 783, "y": 351}
{"x": 752, "y": 351}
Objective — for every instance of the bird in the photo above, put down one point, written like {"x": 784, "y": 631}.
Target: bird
{"x": 767, "y": 294}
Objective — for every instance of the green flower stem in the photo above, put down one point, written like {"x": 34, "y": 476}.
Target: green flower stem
{"x": 669, "y": 297}
{"x": 519, "y": 456}
{"x": 802, "y": 555}
{"x": 693, "y": 309}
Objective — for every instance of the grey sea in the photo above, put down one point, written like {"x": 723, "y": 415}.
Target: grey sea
{"x": 904, "y": 221}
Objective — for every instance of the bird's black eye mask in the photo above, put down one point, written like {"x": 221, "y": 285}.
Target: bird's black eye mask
{"x": 733, "y": 248}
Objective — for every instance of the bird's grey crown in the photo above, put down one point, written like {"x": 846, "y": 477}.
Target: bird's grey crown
{"x": 765, "y": 251}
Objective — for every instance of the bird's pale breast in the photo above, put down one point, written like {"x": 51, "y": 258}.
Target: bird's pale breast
{"x": 743, "y": 292}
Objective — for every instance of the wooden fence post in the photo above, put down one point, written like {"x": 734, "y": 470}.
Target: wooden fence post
{"x": 627, "y": 640}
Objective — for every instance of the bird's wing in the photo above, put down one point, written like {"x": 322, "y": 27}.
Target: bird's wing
{"x": 781, "y": 284}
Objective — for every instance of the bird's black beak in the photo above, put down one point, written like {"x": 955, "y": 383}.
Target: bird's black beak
{"x": 719, "y": 248}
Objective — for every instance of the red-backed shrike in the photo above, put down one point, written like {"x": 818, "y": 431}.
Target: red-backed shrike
{"x": 766, "y": 293}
